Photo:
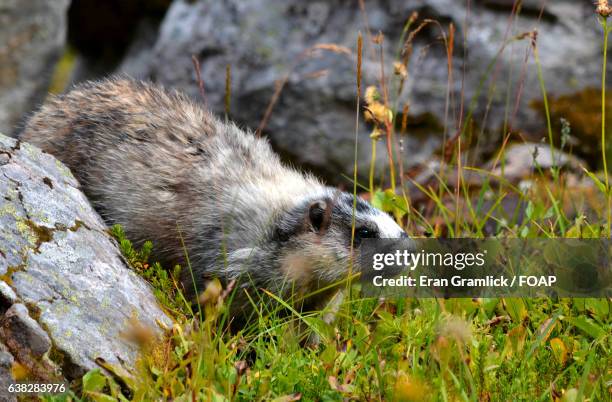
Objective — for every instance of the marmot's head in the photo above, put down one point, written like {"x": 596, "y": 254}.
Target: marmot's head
{"x": 313, "y": 241}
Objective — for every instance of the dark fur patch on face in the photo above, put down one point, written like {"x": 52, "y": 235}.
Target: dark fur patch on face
{"x": 299, "y": 220}
{"x": 361, "y": 205}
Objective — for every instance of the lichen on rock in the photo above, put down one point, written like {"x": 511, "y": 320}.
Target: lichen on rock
{"x": 57, "y": 265}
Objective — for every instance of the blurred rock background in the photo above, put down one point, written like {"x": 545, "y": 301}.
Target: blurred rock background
{"x": 32, "y": 39}
{"x": 267, "y": 42}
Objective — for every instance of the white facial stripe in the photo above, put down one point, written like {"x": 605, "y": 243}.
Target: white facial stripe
{"x": 387, "y": 227}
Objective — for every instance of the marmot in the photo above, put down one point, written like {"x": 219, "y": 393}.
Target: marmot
{"x": 159, "y": 164}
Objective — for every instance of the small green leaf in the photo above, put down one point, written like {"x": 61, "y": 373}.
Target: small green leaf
{"x": 600, "y": 308}
{"x": 516, "y": 309}
{"x": 587, "y": 326}
{"x": 94, "y": 381}
{"x": 383, "y": 201}
{"x": 601, "y": 186}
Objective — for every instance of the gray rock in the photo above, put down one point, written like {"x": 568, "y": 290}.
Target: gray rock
{"x": 23, "y": 333}
{"x": 314, "y": 120}
{"x": 7, "y": 296}
{"x": 520, "y": 160}
{"x": 31, "y": 40}
{"x": 6, "y": 359}
{"x": 6, "y": 376}
{"x": 58, "y": 260}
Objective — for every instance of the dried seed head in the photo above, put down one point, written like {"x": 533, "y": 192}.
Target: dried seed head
{"x": 379, "y": 113}
{"x": 400, "y": 69}
{"x": 378, "y": 39}
{"x": 375, "y": 111}
{"x": 603, "y": 8}
{"x": 371, "y": 95}
{"x": 332, "y": 47}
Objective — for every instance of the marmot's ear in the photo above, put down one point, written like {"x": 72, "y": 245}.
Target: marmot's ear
{"x": 319, "y": 214}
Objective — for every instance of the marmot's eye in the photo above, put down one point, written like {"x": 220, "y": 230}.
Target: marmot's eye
{"x": 365, "y": 233}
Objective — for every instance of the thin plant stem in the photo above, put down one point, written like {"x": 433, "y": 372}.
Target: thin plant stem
{"x": 458, "y": 187}
{"x": 356, "y": 155}
{"x": 554, "y": 168}
{"x": 388, "y": 124}
{"x": 545, "y": 98}
{"x": 372, "y": 167}
{"x": 606, "y": 31}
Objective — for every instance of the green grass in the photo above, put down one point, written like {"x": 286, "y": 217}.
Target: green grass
{"x": 399, "y": 350}
{"x": 427, "y": 349}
